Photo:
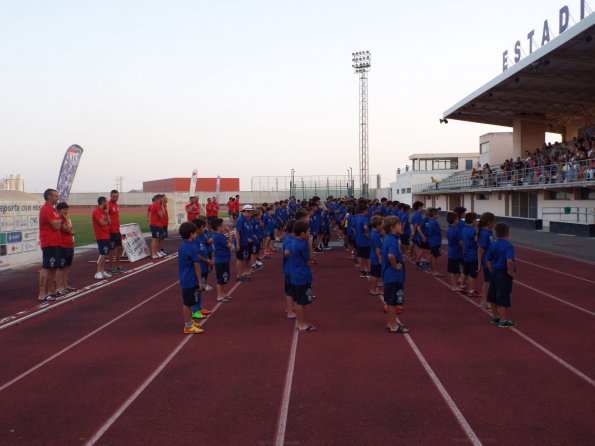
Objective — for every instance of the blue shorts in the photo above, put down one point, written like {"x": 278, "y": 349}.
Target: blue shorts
{"x": 163, "y": 233}
{"x": 103, "y": 246}
{"x": 51, "y": 257}
{"x": 155, "y": 231}
{"x": 66, "y": 256}
{"x": 115, "y": 240}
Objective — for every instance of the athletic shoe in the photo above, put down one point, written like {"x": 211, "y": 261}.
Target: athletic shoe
{"x": 197, "y": 315}
{"x": 194, "y": 329}
{"x": 318, "y": 250}
{"x": 164, "y": 252}
{"x": 328, "y": 248}
{"x": 155, "y": 257}
{"x": 106, "y": 275}
{"x": 256, "y": 266}
{"x": 205, "y": 312}
{"x": 363, "y": 275}
{"x": 506, "y": 324}
{"x": 60, "y": 293}
{"x": 99, "y": 276}
{"x": 208, "y": 288}
{"x": 223, "y": 299}
{"x": 495, "y": 320}
{"x": 115, "y": 271}
{"x": 160, "y": 254}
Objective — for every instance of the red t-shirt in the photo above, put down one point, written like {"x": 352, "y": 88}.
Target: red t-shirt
{"x": 165, "y": 219}
{"x": 192, "y": 211}
{"x": 114, "y": 215}
{"x": 237, "y": 205}
{"x": 67, "y": 239}
{"x": 214, "y": 209}
{"x": 47, "y": 235}
{"x": 101, "y": 232}
{"x": 155, "y": 220}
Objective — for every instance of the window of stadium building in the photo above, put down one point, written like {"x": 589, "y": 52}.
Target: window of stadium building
{"x": 484, "y": 147}
{"x": 435, "y": 164}
{"x": 587, "y": 194}
{"x": 560, "y": 195}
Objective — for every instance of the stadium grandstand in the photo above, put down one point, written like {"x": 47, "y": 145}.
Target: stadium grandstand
{"x": 549, "y": 91}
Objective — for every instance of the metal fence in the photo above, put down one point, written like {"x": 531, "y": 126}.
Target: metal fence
{"x": 562, "y": 173}
{"x": 570, "y": 214}
{"x": 305, "y": 187}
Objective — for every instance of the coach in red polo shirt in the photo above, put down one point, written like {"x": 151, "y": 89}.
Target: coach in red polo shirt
{"x": 50, "y": 239}
{"x": 192, "y": 209}
{"x": 155, "y": 217}
{"x": 115, "y": 237}
{"x": 101, "y": 223}
{"x": 164, "y": 225}
{"x": 213, "y": 211}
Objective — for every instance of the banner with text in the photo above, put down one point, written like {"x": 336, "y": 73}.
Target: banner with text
{"x": 70, "y": 163}
{"x": 134, "y": 242}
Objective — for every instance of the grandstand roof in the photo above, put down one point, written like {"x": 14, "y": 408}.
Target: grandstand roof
{"x": 554, "y": 84}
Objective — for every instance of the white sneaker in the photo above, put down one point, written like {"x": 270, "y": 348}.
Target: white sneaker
{"x": 208, "y": 288}
{"x": 99, "y": 276}
{"x": 155, "y": 257}
{"x": 160, "y": 254}
{"x": 163, "y": 253}
{"x": 106, "y": 275}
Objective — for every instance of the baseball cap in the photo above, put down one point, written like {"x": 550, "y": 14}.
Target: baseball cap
{"x": 247, "y": 207}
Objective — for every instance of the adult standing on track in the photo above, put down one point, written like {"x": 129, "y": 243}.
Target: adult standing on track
{"x": 66, "y": 251}
{"x": 214, "y": 212}
{"x": 50, "y": 240}
{"x": 114, "y": 233}
{"x": 101, "y": 223}
{"x": 164, "y": 225}
{"x": 192, "y": 209}
{"x": 155, "y": 217}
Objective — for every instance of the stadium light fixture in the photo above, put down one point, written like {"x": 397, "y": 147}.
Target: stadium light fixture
{"x": 443, "y": 121}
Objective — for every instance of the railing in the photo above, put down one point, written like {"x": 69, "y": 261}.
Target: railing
{"x": 570, "y": 214}
{"x": 562, "y": 173}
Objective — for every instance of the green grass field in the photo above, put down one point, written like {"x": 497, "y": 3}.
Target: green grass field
{"x": 83, "y": 228}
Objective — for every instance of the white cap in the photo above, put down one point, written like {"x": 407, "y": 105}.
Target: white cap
{"x": 247, "y": 207}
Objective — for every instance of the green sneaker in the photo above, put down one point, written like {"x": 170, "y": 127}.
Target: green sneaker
{"x": 506, "y": 324}
{"x": 114, "y": 271}
{"x": 495, "y": 320}
{"x": 197, "y": 315}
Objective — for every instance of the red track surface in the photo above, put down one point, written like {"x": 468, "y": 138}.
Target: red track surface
{"x": 351, "y": 383}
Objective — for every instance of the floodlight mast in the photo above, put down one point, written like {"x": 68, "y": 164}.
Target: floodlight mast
{"x": 362, "y": 61}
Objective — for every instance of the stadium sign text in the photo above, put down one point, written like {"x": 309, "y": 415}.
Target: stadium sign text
{"x": 563, "y": 22}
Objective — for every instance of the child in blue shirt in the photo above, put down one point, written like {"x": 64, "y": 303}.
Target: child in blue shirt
{"x": 403, "y": 210}
{"x": 500, "y": 262}
{"x": 485, "y": 237}
{"x": 243, "y": 243}
{"x": 258, "y": 231}
{"x": 222, "y": 245}
{"x": 470, "y": 265}
{"x": 286, "y": 250}
{"x": 268, "y": 220}
{"x": 300, "y": 273}
{"x": 375, "y": 255}
{"x": 189, "y": 270}
{"x": 434, "y": 240}
{"x": 393, "y": 273}
{"x": 362, "y": 239}
{"x": 455, "y": 250}
{"x": 204, "y": 262}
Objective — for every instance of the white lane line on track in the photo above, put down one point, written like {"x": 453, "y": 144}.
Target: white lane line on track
{"x": 549, "y": 253}
{"x": 584, "y": 310}
{"x": 111, "y": 420}
{"x": 93, "y": 287}
{"x": 532, "y": 342}
{"x": 555, "y": 270}
{"x": 444, "y": 393}
{"x": 282, "y": 422}
{"x": 87, "y": 336}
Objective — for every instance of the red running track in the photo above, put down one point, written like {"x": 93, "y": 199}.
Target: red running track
{"x": 251, "y": 379}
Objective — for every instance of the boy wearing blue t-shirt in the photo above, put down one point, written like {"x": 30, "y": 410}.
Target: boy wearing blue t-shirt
{"x": 362, "y": 239}
{"x": 300, "y": 273}
{"x": 375, "y": 255}
{"x": 286, "y": 250}
{"x": 485, "y": 237}
{"x": 222, "y": 244}
{"x": 258, "y": 231}
{"x": 189, "y": 271}
{"x": 470, "y": 265}
{"x": 268, "y": 220}
{"x": 434, "y": 240}
{"x": 393, "y": 273}
{"x": 204, "y": 262}
{"x": 455, "y": 250}
{"x": 243, "y": 243}
{"x": 500, "y": 261}
{"x": 403, "y": 210}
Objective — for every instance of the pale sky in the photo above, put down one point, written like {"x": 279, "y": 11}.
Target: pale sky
{"x": 154, "y": 89}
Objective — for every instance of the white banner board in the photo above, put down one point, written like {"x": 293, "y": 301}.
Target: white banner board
{"x": 133, "y": 242}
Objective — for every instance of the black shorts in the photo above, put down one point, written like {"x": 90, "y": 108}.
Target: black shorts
{"x": 51, "y": 257}
{"x": 190, "y": 296}
{"x": 487, "y": 275}
{"x": 204, "y": 275}
{"x": 326, "y": 231}
{"x": 115, "y": 240}
{"x": 500, "y": 289}
{"x": 394, "y": 294}
{"x": 155, "y": 232}
{"x": 163, "y": 233}
{"x": 243, "y": 253}
{"x": 350, "y": 240}
{"x": 103, "y": 247}
{"x": 66, "y": 256}
{"x": 422, "y": 245}
{"x": 376, "y": 270}
{"x": 363, "y": 252}
{"x": 256, "y": 247}
{"x": 222, "y": 273}
{"x": 405, "y": 240}
{"x": 288, "y": 285}
{"x": 435, "y": 251}
{"x": 470, "y": 269}
{"x": 302, "y": 294}
{"x": 454, "y": 266}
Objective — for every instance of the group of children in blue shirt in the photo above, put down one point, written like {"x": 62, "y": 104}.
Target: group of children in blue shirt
{"x": 381, "y": 236}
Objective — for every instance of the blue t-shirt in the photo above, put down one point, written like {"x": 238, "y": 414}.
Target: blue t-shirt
{"x": 435, "y": 234}
{"x": 286, "y": 265}
{"x": 222, "y": 251}
{"x": 425, "y": 227}
{"x": 454, "y": 249}
{"x": 360, "y": 222}
{"x": 375, "y": 242}
{"x": 257, "y": 229}
{"x": 269, "y": 224}
{"x": 244, "y": 228}
{"x": 315, "y": 223}
{"x": 469, "y": 244}
{"x": 202, "y": 252}
{"x": 389, "y": 274}
{"x": 486, "y": 237}
{"x": 405, "y": 223}
{"x": 299, "y": 271}
{"x": 499, "y": 252}
{"x": 292, "y": 207}
{"x": 416, "y": 220}
{"x": 204, "y": 238}
{"x": 187, "y": 257}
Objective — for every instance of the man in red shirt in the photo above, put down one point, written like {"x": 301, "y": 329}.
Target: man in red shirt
{"x": 114, "y": 233}
{"x": 164, "y": 225}
{"x": 101, "y": 223}
{"x": 66, "y": 251}
{"x": 192, "y": 209}
{"x": 50, "y": 240}
{"x": 155, "y": 218}
{"x": 213, "y": 213}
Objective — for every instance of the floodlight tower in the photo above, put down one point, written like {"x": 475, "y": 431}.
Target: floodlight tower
{"x": 362, "y": 61}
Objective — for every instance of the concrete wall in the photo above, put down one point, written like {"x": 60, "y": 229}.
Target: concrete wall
{"x": 500, "y": 148}
{"x": 527, "y": 135}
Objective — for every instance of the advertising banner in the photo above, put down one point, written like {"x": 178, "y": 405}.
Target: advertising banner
{"x": 70, "y": 164}
{"x": 134, "y": 243}
{"x": 193, "y": 182}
